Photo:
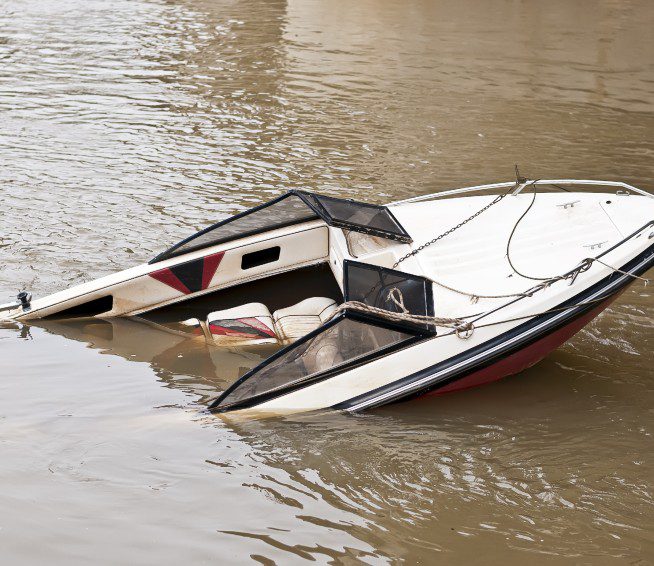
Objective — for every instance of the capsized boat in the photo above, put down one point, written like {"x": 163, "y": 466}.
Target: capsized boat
{"x": 365, "y": 304}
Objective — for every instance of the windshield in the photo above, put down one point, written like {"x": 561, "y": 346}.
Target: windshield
{"x": 335, "y": 346}
{"x": 295, "y": 207}
{"x": 388, "y": 289}
{"x": 286, "y": 210}
{"x": 370, "y": 218}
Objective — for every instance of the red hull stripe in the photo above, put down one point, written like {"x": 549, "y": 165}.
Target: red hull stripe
{"x": 188, "y": 271}
{"x": 169, "y": 278}
{"x": 255, "y": 323}
{"x": 258, "y": 330}
{"x": 222, "y": 331}
{"x": 525, "y": 358}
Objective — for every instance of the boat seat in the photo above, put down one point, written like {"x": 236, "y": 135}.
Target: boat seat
{"x": 190, "y": 325}
{"x": 297, "y": 320}
{"x": 247, "y": 324}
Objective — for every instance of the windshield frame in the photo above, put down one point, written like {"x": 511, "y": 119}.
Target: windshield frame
{"x": 313, "y": 200}
{"x": 170, "y": 252}
{"x": 417, "y": 336}
{"x": 313, "y": 205}
{"x": 428, "y": 291}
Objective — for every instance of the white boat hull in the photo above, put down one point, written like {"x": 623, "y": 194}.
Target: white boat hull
{"x": 476, "y": 277}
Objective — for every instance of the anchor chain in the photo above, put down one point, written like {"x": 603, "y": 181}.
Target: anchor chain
{"x": 453, "y": 229}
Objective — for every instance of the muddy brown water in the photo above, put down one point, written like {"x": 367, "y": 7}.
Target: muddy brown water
{"x": 127, "y": 125}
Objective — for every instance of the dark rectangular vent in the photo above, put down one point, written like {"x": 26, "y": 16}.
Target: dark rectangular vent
{"x": 261, "y": 257}
{"x": 90, "y": 308}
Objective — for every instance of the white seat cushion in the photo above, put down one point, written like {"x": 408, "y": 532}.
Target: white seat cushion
{"x": 189, "y": 325}
{"x": 247, "y": 324}
{"x": 298, "y": 320}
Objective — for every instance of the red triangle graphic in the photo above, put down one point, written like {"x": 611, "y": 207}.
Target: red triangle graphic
{"x": 211, "y": 263}
{"x": 169, "y": 278}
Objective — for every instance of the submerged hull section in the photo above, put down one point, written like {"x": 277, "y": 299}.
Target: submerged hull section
{"x": 524, "y": 358}
{"x": 182, "y": 278}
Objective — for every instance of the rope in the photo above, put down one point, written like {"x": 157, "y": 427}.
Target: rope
{"x": 395, "y": 295}
{"x": 474, "y": 297}
{"x": 644, "y": 279}
{"x": 508, "y": 243}
{"x": 462, "y": 328}
{"x": 584, "y": 266}
{"x": 533, "y": 315}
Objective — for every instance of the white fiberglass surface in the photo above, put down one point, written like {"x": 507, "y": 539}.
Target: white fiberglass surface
{"x": 553, "y": 237}
{"x": 381, "y": 372}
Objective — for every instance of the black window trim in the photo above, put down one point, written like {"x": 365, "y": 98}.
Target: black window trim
{"x": 311, "y": 202}
{"x": 429, "y": 290}
{"x": 170, "y": 252}
{"x": 318, "y": 376}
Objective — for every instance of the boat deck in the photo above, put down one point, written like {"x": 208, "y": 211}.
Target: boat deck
{"x": 553, "y": 237}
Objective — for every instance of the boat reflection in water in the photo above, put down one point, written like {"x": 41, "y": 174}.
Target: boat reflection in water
{"x": 179, "y": 356}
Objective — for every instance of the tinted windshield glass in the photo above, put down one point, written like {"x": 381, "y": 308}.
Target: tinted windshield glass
{"x": 376, "y": 218}
{"x": 289, "y": 209}
{"x": 293, "y": 208}
{"x": 342, "y": 342}
{"x": 388, "y": 289}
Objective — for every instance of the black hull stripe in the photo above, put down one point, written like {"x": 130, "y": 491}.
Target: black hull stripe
{"x": 501, "y": 346}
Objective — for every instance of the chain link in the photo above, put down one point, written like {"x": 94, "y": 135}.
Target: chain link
{"x": 459, "y": 225}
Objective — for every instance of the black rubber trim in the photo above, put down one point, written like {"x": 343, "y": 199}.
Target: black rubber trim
{"x": 502, "y": 353}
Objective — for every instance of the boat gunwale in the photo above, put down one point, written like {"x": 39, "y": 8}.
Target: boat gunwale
{"x": 520, "y": 185}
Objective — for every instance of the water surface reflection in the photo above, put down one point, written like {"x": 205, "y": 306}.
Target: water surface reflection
{"x": 505, "y": 465}
{"x": 128, "y": 125}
